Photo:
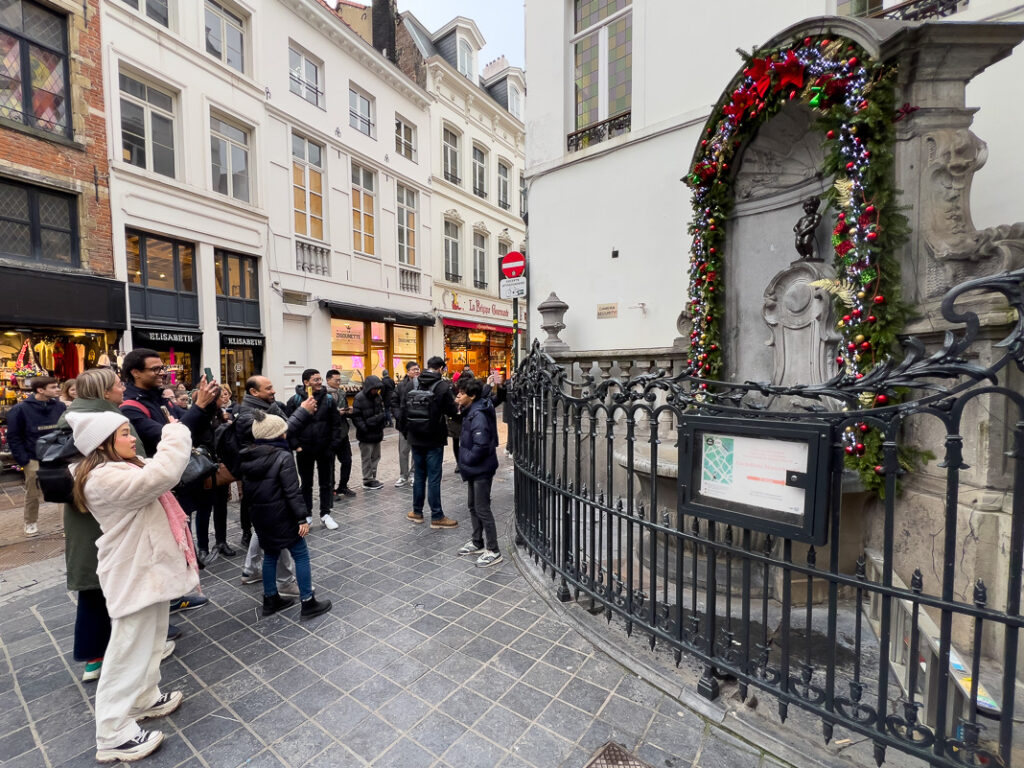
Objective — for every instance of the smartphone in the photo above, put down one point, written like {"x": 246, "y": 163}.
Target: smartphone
{"x": 209, "y": 374}
{"x": 167, "y": 413}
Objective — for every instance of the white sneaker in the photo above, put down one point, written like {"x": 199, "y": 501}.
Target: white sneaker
{"x": 309, "y": 519}
{"x": 31, "y": 529}
{"x": 168, "y": 649}
{"x": 328, "y": 522}
{"x": 134, "y": 749}
{"x": 402, "y": 480}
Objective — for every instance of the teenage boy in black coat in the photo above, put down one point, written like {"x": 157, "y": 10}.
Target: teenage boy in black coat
{"x": 369, "y": 416}
{"x": 316, "y": 442}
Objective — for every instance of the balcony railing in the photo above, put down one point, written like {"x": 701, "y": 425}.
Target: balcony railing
{"x": 504, "y": 205}
{"x": 479, "y": 283}
{"x": 452, "y": 277}
{"x": 919, "y": 10}
{"x": 310, "y": 257}
{"x": 592, "y": 134}
{"x": 452, "y": 177}
{"x": 408, "y": 280}
{"x": 479, "y": 191}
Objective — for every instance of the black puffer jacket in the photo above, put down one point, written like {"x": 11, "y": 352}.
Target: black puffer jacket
{"x": 444, "y": 402}
{"x": 477, "y": 454}
{"x": 271, "y": 486}
{"x": 321, "y": 434}
{"x": 368, "y": 412}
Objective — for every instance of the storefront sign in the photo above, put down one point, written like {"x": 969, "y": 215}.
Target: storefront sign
{"x": 452, "y": 300}
{"x": 227, "y": 340}
{"x": 144, "y": 335}
{"x": 607, "y": 311}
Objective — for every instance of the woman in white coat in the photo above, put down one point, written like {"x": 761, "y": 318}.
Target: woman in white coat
{"x": 146, "y": 557}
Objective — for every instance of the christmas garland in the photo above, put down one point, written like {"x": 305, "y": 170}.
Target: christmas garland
{"x": 853, "y": 97}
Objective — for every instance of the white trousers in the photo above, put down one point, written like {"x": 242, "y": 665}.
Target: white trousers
{"x": 131, "y": 673}
{"x": 285, "y": 567}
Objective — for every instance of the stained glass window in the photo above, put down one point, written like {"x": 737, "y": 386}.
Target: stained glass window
{"x": 602, "y": 59}
{"x": 33, "y": 66}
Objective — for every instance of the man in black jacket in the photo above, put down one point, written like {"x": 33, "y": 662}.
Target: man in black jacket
{"x": 369, "y": 417}
{"x": 316, "y": 443}
{"x": 412, "y": 372}
{"x": 26, "y": 423}
{"x": 333, "y": 382}
{"x": 427, "y": 443}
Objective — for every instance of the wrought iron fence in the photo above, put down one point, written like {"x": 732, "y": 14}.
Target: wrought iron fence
{"x": 608, "y": 478}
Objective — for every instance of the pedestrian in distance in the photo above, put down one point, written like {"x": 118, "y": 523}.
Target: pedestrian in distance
{"x": 478, "y": 459}
{"x": 278, "y": 512}
{"x": 412, "y": 372}
{"x": 426, "y": 406}
{"x": 68, "y": 392}
{"x": 333, "y": 382}
{"x": 369, "y": 416}
{"x": 316, "y": 444}
{"x": 26, "y": 423}
{"x": 387, "y": 393}
{"x": 145, "y": 557}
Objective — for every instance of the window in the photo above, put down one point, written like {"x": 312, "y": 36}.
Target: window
{"x": 479, "y": 172}
{"x": 405, "y": 139}
{"x": 406, "y": 226}
{"x": 858, "y": 7}
{"x": 360, "y": 112}
{"x": 308, "y": 187}
{"x": 157, "y": 262}
{"x": 363, "y": 232}
{"x": 237, "y": 275}
{"x": 229, "y": 151}
{"x": 450, "y": 151}
{"x": 34, "y": 66}
{"x": 479, "y": 260}
{"x": 503, "y": 247}
{"x": 522, "y": 194}
{"x": 602, "y": 55}
{"x": 503, "y": 186}
{"x": 155, "y": 9}
{"x": 515, "y": 105}
{"x": 38, "y": 224}
{"x": 466, "y": 59}
{"x": 304, "y": 77}
{"x": 147, "y": 126}
{"x": 451, "y": 252}
{"x": 225, "y": 35}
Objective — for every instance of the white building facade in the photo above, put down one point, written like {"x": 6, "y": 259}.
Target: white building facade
{"x": 609, "y": 234}
{"x": 477, "y": 160}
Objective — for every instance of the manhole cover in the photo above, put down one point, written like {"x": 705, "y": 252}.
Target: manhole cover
{"x": 613, "y": 755}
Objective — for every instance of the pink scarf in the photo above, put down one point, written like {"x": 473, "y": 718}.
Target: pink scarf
{"x": 178, "y": 521}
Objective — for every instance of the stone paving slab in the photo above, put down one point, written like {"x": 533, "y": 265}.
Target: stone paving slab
{"x": 425, "y": 660}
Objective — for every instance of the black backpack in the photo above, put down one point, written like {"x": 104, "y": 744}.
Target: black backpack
{"x": 226, "y": 445}
{"x": 421, "y": 415}
{"x": 56, "y": 452}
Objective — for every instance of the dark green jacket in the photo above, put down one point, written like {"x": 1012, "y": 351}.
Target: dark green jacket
{"x": 81, "y": 529}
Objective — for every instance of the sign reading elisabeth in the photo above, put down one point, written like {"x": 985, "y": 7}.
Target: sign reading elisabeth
{"x": 765, "y": 476}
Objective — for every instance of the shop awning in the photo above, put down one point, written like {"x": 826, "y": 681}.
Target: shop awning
{"x": 241, "y": 339}
{"x": 476, "y": 326}
{"x": 52, "y": 299}
{"x": 376, "y": 314}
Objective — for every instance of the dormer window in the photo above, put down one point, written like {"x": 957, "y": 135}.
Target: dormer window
{"x": 515, "y": 104}
{"x": 466, "y": 59}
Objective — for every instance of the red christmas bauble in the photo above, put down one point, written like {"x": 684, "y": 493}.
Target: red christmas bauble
{"x": 882, "y": 399}
{"x": 864, "y": 428}
{"x": 872, "y": 236}
{"x": 849, "y": 450}
{"x": 850, "y": 166}
{"x": 851, "y": 346}
{"x": 856, "y": 313}
{"x": 830, "y": 135}
{"x": 879, "y": 470}
{"x": 865, "y": 346}
{"x": 871, "y": 318}
{"x": 853, "y": 61}
{"x": 859, "y": 448}
{"x": 879, "y": 299}
{"x": 869, "y": 209}
{"x": 840, "y": 360}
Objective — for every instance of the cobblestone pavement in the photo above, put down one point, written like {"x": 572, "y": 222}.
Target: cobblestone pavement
{"x": 425, "y": 660}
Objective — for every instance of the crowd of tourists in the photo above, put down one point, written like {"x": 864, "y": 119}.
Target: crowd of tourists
{"x": 151, "y": 465}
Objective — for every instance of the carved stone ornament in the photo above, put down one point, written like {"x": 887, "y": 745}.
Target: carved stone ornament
{"x": 481, "y": 227}
{"x": 800, "y": 318}
{"x": 552, "y": 310}
{"x": 453, "y": 215}
{"x": 785, "y": 154}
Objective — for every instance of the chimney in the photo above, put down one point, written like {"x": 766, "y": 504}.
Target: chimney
{"x": 385, "y": 16}
{"x": 495, "y": 67}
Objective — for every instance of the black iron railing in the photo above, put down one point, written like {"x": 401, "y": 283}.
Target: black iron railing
{"x": 920, "y": 10}
{"x": 504, "y": 205}
{"x": 479, "y": 283}
{"x": 610, "y": 497}
{"x": 452, "y": 277}
{"x": 592, "y": 134}
{"x": 452, "y": 177}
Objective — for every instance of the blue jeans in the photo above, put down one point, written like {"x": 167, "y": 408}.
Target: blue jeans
{"x": 426, "y": 464}
{"x": 303, "y": 575}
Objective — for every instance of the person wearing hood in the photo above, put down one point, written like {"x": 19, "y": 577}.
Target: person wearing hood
{"x": 478, "y": 461}
{"x": 26, "y": 423}
{"x": 427, "y": 440}
{"x": 278, "y": 512}
{"x": 316, "y": 443}
{"x": 145, "y": 557}
{"x": 369, "y": 416}
{"x": 387, "y": 393}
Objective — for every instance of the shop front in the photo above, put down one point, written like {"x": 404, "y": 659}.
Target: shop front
{"x": 478, "y": 332}
{"x": 179, "y": 349}
{"x": 241, "y": 356}
{"x": 367, "y": 341}
{"x": 57, "y": 325}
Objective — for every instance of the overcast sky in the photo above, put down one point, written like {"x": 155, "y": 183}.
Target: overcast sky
{"x": 499, "y": 21}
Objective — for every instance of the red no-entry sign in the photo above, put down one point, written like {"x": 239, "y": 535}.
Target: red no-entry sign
{"x": 513, "y": 264}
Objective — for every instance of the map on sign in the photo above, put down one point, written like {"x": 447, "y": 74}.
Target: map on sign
{"x": 753, "y": 471}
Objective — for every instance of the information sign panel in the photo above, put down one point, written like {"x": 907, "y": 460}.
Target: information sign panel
{"x": 512, "y": 288}
{"x": 765, "y": 476}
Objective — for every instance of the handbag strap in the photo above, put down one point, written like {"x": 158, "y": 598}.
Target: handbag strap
{"x": 137, "y": 404}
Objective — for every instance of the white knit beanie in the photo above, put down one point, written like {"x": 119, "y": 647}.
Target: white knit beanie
{"x": 269, "y": 427}
{"x": 91, "y": 429}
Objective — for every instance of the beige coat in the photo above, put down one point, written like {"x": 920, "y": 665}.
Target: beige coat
{"x": 139, "y": 560}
